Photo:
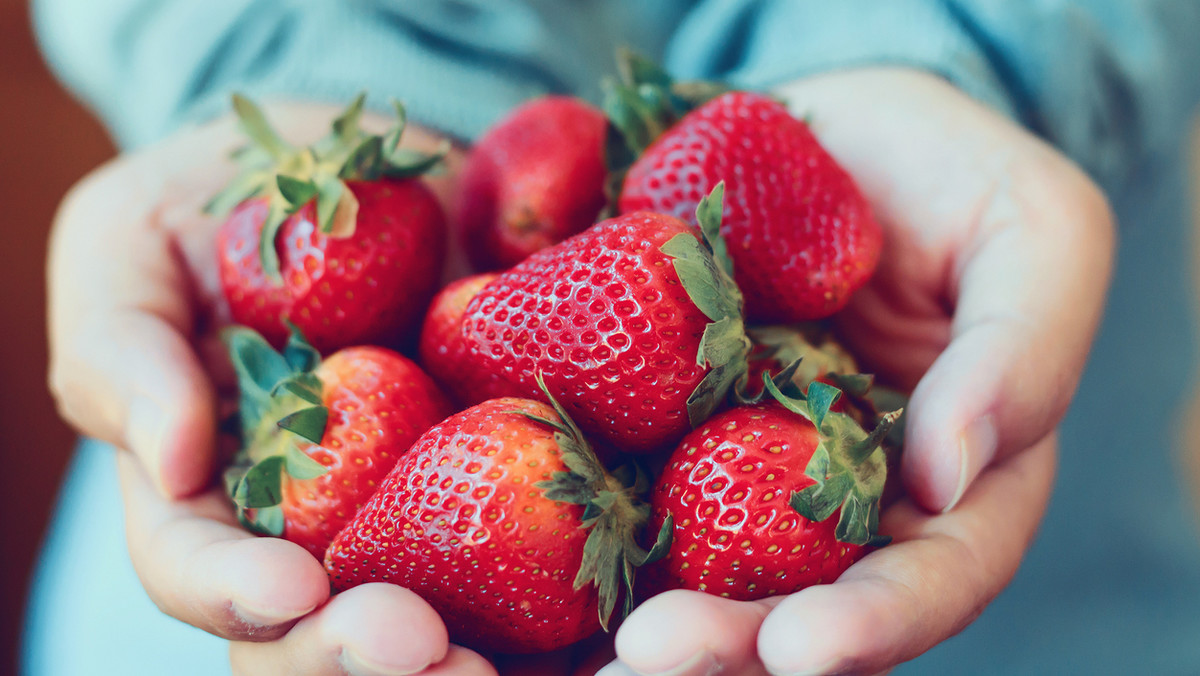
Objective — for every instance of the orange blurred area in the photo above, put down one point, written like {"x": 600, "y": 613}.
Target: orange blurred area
{"x": 48, "y": 141}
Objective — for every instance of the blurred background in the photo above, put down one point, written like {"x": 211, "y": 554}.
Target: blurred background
{"x": 48, "y": 141}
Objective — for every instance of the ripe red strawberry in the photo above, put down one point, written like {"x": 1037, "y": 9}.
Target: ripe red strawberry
{"x": 801, "y": 235}
{"x": 634, "y": 324}
{"x": 339, "y": 238}
{"x": 818, "y": 353}
{"x": 533, "y": 180}
{"x": 500, "y": 517}
{"x": 442, "y": 350}
{"x": 818, "y": 357}
{"x": 764, "y": 504}
{"x": 319, "y": 436}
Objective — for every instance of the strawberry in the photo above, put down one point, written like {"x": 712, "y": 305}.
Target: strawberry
{"x": 635, "y": 325}
{"x": 319, "y": 436}
{"x": 339, "y": 238}
{"x": 442, "y": 350}
{"x": 770, "y": 498}
{"x": 801, "y": 235}
{"x": 532, "y": 180}
{"x": 499, "y": 517}
{"x": 819, "y": 355}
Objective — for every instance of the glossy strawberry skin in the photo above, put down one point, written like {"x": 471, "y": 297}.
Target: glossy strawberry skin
{"x": 460, "y": 522}
{"x": 605, "y": 319}
{"x": 801, "y": 235}
{"x": 369, "y": 288}
{"x": 442, "y": 350}
{"x": 379, "y": 404}
{"x": 727, "y": 487}
{"x": 531, "y": 181}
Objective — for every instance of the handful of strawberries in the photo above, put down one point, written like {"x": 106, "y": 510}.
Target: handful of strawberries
{"x": 651, "y": 391}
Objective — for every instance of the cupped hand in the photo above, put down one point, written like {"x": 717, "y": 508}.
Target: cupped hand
{"x": 995, "y": 268}
{"x": 135, "y": 305}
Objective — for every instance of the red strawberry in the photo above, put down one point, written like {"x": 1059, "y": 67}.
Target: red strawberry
{"x": 818, "y": 357}
{"x": 533, "y": 180}
{"x": 499, "y": 517}
{"x": 319, "y": 436}
{"x": 348, "y": 261}
{"x": 764, "y": 504}
{"x": 442, "y": 350}
{"x": 801, "y": 235}
{"x": 776, "y": 347}
{"x": 634, "y": 324}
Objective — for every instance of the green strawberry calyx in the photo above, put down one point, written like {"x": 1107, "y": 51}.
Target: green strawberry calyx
{"x": 279, "y": 406}
{"x": 641, "y": 103}
{"x": 811, "y": 352}
{"x": 848, "y": 467}
{"x": 706, "y": 272}
{"x": 614, "y": 512}
{"x": 289, "y": 177}
{"x": 811, "y": 344}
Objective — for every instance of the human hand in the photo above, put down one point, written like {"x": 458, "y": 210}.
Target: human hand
{"x": 135, "y": 302}
{"x": 996, "y": 262}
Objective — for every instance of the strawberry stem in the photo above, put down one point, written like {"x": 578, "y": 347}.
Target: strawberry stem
{"x": 614, "y": 513}
{"x": 848, "y": 467}
{"x": 290, "y": 177}
{"x": 279, "y": 404}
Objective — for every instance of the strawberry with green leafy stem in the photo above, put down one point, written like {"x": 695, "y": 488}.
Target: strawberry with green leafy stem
{"x": 531, "y": 181}
{"x": 767, "y": 499}
{"x": 340, "y": 238}
{"x": 810, "y": 353}
{"x": 635, "y": 324}
{"x": 504, "y": 521}
{"x": 318, "y": 436}
{"x": 801, "y": 235}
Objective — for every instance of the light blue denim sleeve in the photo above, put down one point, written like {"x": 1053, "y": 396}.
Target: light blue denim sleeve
{"x": 146, "y": 66}
{"x": 1107, "y": 81}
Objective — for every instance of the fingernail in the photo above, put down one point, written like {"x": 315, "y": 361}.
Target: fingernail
{"x": 145, "y": 431}
{"x": 976, "y": 448}
{"x": 263, "y": 617}
{"x": 357, "y": 665}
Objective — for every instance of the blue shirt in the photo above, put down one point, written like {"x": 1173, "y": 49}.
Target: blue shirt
{"x": 1112, "y": 584}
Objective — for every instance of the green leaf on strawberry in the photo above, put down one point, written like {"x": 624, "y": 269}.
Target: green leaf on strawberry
{"x": 848, "y": 467}
{"x": 291, "y": 177}
{"x": 613, "y": 512}
{"x": 279, "y": 404}
{"x": 706, "y": 273}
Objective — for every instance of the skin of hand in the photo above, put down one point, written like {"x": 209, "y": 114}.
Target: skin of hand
{"x": 996, "y": 264}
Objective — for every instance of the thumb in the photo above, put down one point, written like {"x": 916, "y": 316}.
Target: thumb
{"x": 1030, "y": 292}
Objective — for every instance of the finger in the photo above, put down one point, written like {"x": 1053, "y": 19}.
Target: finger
{"x": 120, "y": 313}
{"x": 460, "y": 662}
{"x": 1030, "y": 291}
{"x": 368, "y": 630}
{"x": 905, "y": 598}
{"x": 583, "y": 658}
{"x": 689, "y": 633}
{"x": 198, "y": 566}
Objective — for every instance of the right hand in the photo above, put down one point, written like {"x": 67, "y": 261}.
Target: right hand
{"x": 134, "y": 307}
